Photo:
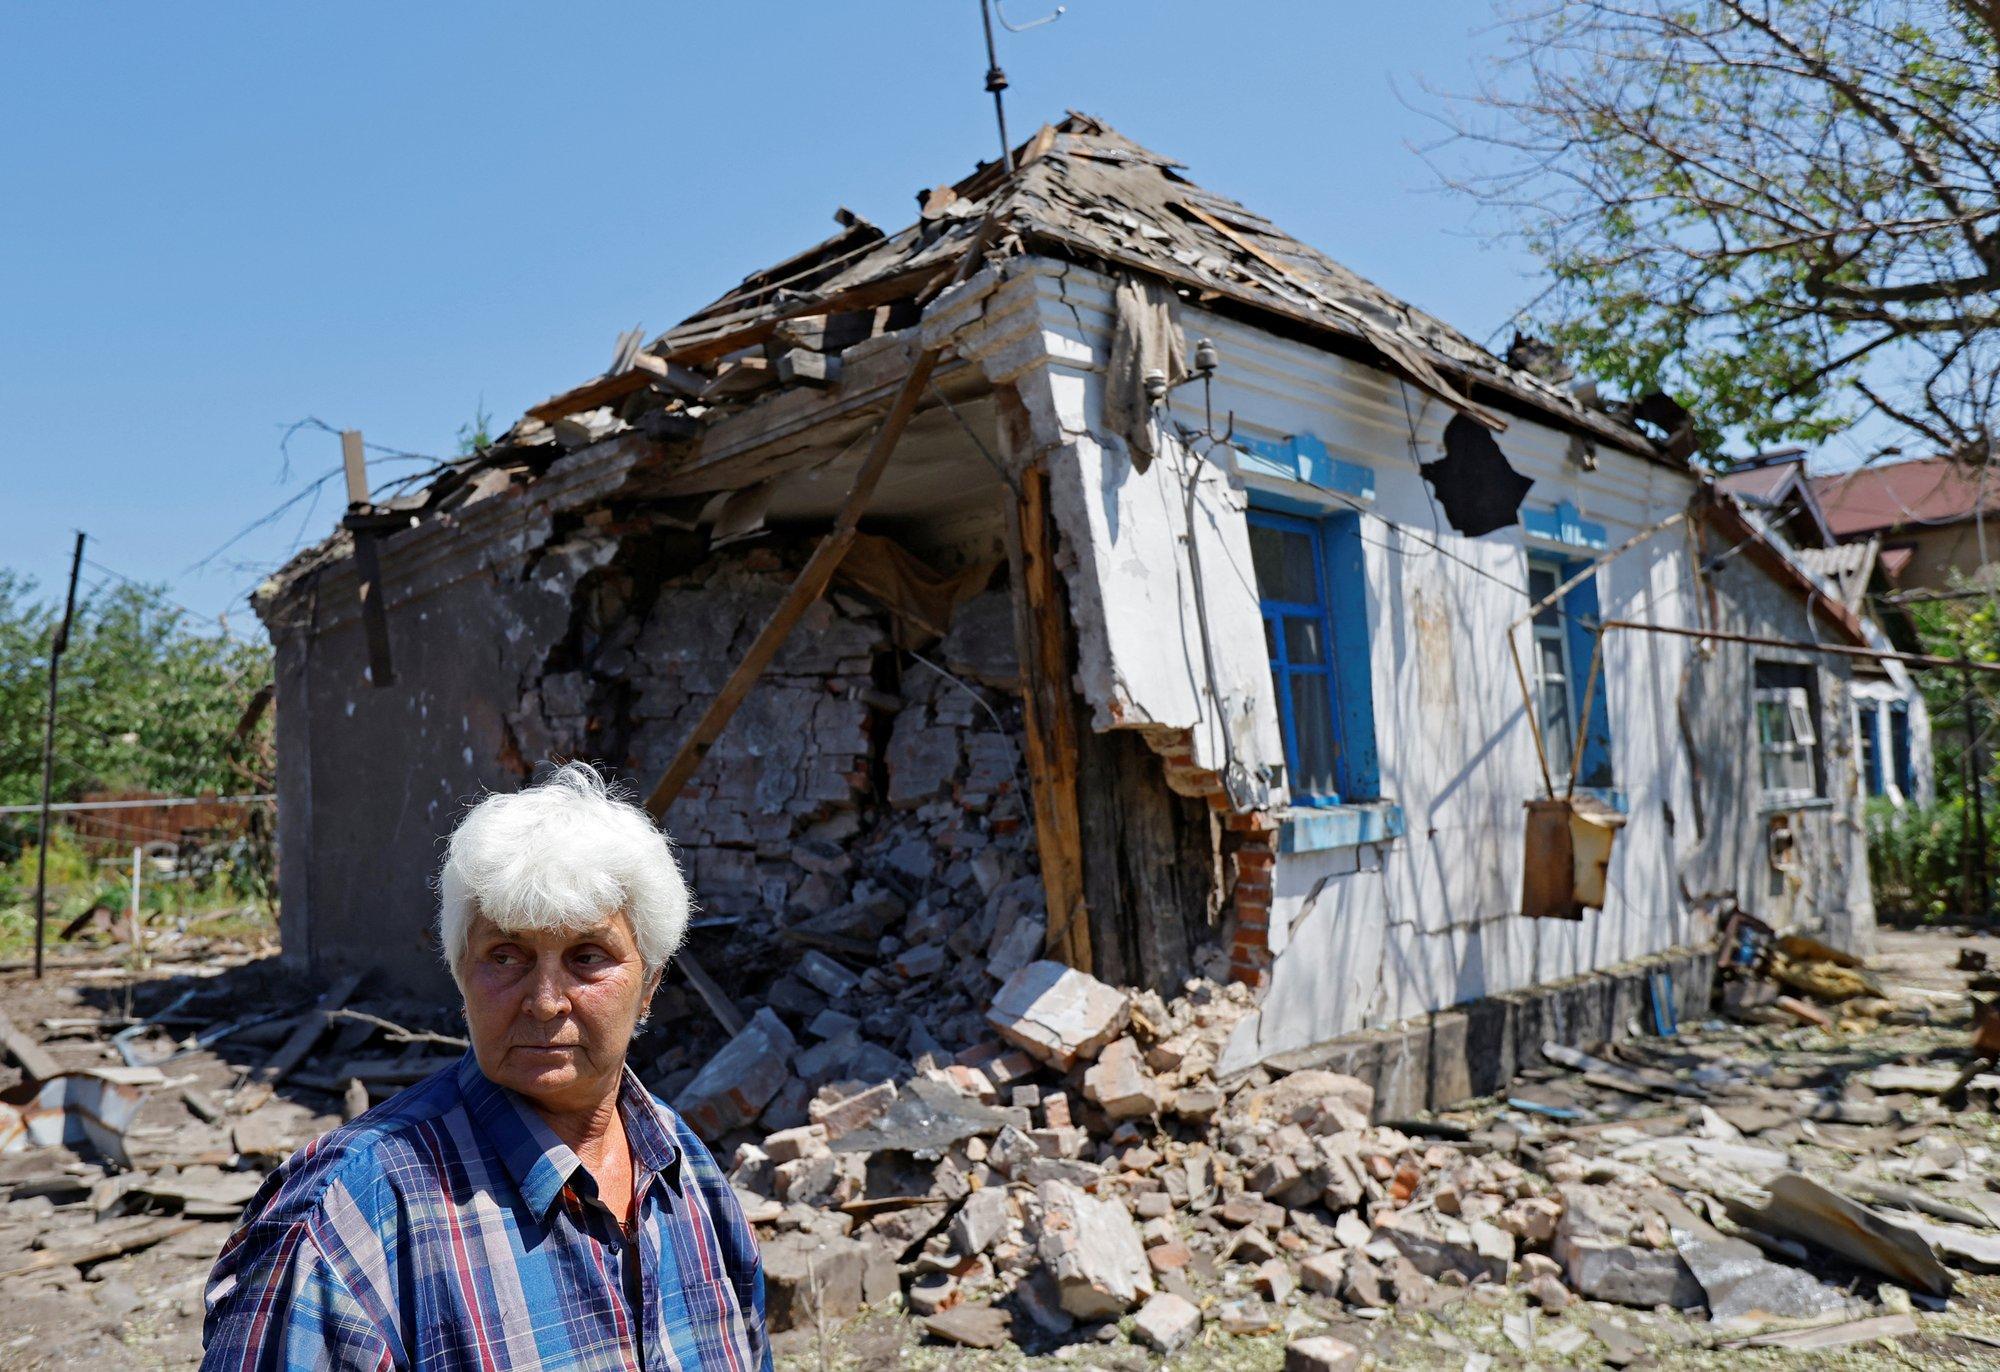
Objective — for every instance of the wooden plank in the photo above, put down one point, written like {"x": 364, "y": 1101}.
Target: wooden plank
{"x": 128, "y": 1240}
{"x": 34, "y": 1059}
{"x": 718, "y": 1001}
{"x": 264, "y": 1081}
{"x": 1041, "y": 633}
{"x": 814, "y": 577}
{"x": 354, "y": 460}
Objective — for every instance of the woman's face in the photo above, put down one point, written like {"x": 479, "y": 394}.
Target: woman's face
{"x": 551, "y": 1014}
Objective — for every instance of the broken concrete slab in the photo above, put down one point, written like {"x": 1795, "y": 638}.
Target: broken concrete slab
{"x": 1058, "y": 1014}
{"x": 1167, "y": 1323}
{"x": 970, "y": 1326}
{"x": 1093, "y": 1249}
{"x": 734, "y": 1086}
{"x": 1119, "y": 1083}
{"x": 981, "y": 1221}
{"x": 926, "y": 1117}
{"x": 1594, "y": 1243}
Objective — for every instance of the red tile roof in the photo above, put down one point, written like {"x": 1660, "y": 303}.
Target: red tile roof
{"x": 1931, "y": 490}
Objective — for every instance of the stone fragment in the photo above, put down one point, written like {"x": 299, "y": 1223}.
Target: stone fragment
{"x": 1247, "y": 1317}
{"x": 830, "y": 1023}
{"x": 1594, "y": 1244}
{"x": 1057, "y": 1013}
{"x": 1323, "y": 1353}
{"x": 1153, "y": 1205}
{"x": 847, "y": 1114}
{"x": 1055, "y": 1110}
{"x": 1244, "y": 1209}
{"x": 789, "y": 1145}
{"x": 826, "y": 974}
{"x": 1170, "y": 1256}
{"x": 1166, "y": 1323}
{"x": 1351, "y": 1230}
{"x": 1323, "y": 1273}
{"x": 1436, "y": 1244}
{"x": 739, "y": 1081}
{"x": 1119, "y": 1083}
{"x": 1549, "y": 1293}
{"x": 1532, "y": 1219}
{"x": 810, "y": 1277}
{"x": 1341, "y": 1101}
{"x": 1197, "y": 1104}
{"x": 1092, "y": 1248}
{"x": 1275, "y": 1280}
{"x": 970, "y": 1326}
{"x": 924, "y": 960}
{"x": 980, "y": 1222}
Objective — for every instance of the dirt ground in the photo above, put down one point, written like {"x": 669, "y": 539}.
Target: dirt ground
{"x": 143, "y": 1309}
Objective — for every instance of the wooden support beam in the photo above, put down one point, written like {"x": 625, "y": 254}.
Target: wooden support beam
{"x": 264, "y": 1081}
{"x": 1041, "y": 635}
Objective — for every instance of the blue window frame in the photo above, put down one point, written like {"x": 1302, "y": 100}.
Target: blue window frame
{"x": 1314, "y": 601}
{"x": 1564, "y": 640}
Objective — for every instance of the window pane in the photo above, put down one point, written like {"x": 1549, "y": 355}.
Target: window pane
{"x": 1312, "y": 719}
{"x": 1542, "y": 582}
{"x": 1549, "y": 665}
{"x": 1283, "y": 560}
{"x": 1271, "y": 640}
{"x": 1304, "y": 642}
{"x": 1556, "y": 729}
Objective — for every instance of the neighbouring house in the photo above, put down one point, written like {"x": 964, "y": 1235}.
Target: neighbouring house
{"x": 1175, "y": 642}
{"x": 1930, "y": 514}
{"x": 1891, "y": 721}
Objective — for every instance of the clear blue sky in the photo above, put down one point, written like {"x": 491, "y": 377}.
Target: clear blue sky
{"x": 216, "y": 219}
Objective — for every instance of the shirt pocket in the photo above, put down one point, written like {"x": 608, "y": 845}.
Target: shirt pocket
{"x": 706, "y": 1326}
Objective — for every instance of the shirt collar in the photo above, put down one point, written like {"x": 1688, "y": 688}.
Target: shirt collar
{"x": 540, "y": 1163}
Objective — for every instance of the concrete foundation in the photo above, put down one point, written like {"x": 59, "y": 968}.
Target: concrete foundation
{"x": 1445, "y": 1059}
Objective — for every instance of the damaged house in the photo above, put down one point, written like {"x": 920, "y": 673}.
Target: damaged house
{"x": 1174, "y": 640}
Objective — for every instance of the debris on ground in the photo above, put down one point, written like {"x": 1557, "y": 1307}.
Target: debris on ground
{"x": 1061, "y": 1174}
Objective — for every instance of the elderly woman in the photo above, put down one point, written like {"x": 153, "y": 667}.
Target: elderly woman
{"x": 532, "y": 1206}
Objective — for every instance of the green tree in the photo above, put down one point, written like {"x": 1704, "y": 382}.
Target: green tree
{"x": 150, "y": 699}
{"x": 1783, "y": 213}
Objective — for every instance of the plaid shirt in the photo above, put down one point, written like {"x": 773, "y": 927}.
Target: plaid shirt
{"x": 450, "y": 1228}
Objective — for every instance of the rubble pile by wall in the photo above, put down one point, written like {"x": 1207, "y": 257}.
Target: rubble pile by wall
{"x": 864, "y": 806}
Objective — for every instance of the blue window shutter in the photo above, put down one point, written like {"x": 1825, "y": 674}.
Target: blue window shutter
{"x": 1580, "y": 617}
{"x": 1347, "y": 604}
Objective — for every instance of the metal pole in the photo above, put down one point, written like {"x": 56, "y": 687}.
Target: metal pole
{"x": 56, "y": 646}
{"x": 138, "y": 856}
{"x": 1976, "y": 782}
{"x": 996, "y": 81}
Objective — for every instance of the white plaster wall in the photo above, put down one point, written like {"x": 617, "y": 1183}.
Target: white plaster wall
{"x": 1370, "y": 936}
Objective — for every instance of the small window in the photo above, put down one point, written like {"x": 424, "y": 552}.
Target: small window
{"x": 1787, "y": 704}
{"x": 1564, "y": 641}
{"x": 1868, "y": 721}
{"x": 1314, "y": 603}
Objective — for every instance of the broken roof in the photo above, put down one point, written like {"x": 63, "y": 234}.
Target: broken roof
{"x": 1085, "y": 191}
{"x": 1082, "y": 192}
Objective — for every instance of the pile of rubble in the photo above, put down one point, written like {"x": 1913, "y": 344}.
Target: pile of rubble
{"x": 1080, "y": 1173}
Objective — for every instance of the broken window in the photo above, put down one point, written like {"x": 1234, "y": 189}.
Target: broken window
{"x": 1787, "y": 702}
{"x": 1565, "y": 640}
{"x": 1314, "y": 601}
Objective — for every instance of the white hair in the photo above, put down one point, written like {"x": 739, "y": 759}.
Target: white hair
{"x": 564, "y": 854}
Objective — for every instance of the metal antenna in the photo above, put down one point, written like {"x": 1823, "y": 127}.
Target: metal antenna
{"x": 996, "y": 81}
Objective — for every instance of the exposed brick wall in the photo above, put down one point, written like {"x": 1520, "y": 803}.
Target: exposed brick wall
{"x": 1250, "y": 848}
